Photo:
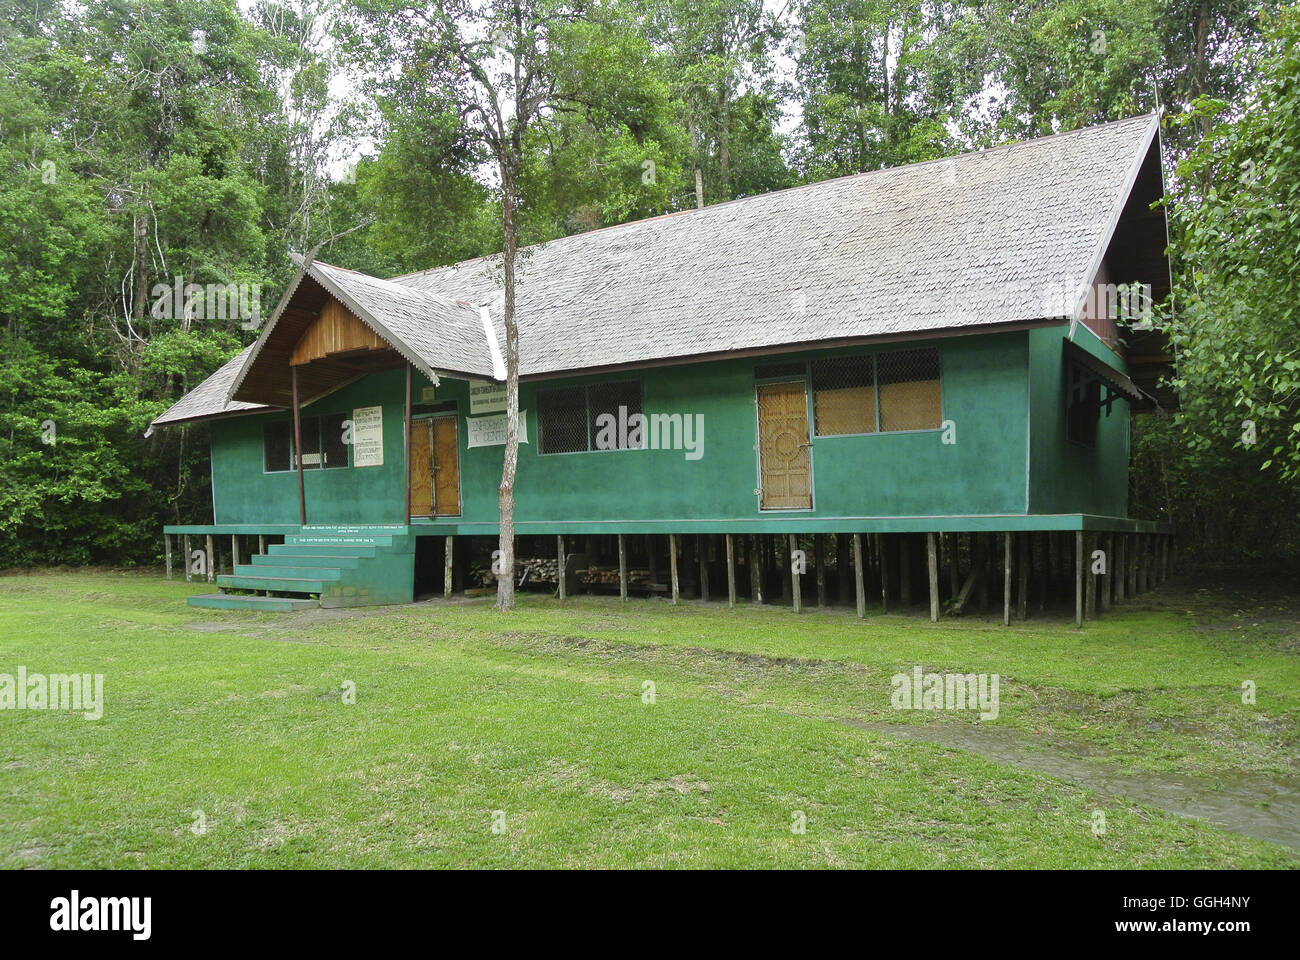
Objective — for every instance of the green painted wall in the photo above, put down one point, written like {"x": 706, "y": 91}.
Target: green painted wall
{"x": 985, "y": 394}
{"x": 1066, "y": 477}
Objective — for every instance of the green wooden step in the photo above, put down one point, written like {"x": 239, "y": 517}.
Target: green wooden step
{"x": 337, "y": 561}
{"x": 288, "y": 572}
{"x": 228, "y": 601}
{"x": 334, "y": 541}
{"x": 281, "y": 584}
{"x": 322, "y": 550}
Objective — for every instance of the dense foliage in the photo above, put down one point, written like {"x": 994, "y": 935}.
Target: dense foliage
{"x": 149, "y": 140}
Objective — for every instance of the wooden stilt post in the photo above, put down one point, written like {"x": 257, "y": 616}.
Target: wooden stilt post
{"x": 702, "y": 548}
{"x": 755, "y": 570}
{"x": 857, "y": 576}
{"x": 622, "y": 568}
{"x": 167, "y": 553}
{"x": 1078, "y": 578}
{"x": 884, "y": 572}
{"x": 796, "y": 584}
{"x": 905, "y": 570}
{"x": 1107, "y": 581}
{"x": 1090, "y": 583}
{"x": 189, "y": 559}
{"x": 297, "y": 445}
{"x": 819, "y": 558}
{"x": 261, "y": 543}
{"x": 1022, "y": 575}
{"x": 843, "y": 570}
{"x": 785, "y": 568}
{"x": 1006, "y": 579}
{"x": 932, "y": 558}
{"x": 731, "y": 571}
{"x": 559, "y": 568}
{"x": 212, "y": 559}
{"x": 1044, "y": 572}
{"x": 234, "y": 551}
{"x": 447, "y": 556}
{"x": 672, "y": 565}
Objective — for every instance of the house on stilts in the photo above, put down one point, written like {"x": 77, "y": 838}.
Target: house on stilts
{"x": 915, "y": 382}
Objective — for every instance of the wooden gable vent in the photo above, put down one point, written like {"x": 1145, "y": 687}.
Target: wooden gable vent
{"x": 336, "y": 331}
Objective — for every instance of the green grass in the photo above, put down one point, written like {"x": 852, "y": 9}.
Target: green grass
{"x": 461, "y": 712}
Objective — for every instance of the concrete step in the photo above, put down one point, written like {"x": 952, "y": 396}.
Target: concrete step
{"x": 322, "y": 550}
{"x": 288, "y": 572}
{"x": 227, "y": 601}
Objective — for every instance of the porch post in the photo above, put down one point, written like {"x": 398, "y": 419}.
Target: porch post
{"x": 189, "y": 570}
{"x": 167, "y": 553}
{"x": 1006, "y": 579}
{"x": 297, "y": 445}
{"x": 447, "y": 555}
{"x": 1078, "y": 578}
{"x": 212, "y": 559}
{"x": 796, "y": 590}
{"x": 406, "y": 453}
{"x": 731, "y": 571}
{"x": 559, "y": 549}
{"x": 622, "y": 568}
{"x": 932, "y": 563}
{"x": 672, "y": 565}
{"x": 859, "y": 586}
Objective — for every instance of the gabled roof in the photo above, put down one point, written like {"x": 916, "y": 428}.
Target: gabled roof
{"x": 981, "y": 240}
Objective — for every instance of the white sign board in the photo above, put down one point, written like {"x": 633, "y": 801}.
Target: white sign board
{"x": 368, "y": 437}
{"x": 491, "y": 431}
{"x": 486, "y": 396}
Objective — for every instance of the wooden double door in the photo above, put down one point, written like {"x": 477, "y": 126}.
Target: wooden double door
{"x": 435, "y": 468}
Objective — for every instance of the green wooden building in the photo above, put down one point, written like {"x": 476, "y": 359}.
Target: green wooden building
{"x": 923, "y": 375}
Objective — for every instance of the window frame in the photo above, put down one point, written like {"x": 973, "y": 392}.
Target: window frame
{"x": 586, "y": 406}
{"x": 319, "y": 420}
{"x": 880, "y": 431}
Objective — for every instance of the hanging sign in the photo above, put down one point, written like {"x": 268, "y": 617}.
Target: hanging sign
{"x": 368, "y": 437}
{"x": 491, "y": 431}
{"x": 486, "y": 396}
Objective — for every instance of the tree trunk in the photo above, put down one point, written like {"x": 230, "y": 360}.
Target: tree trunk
{"x": 510, "y": 459}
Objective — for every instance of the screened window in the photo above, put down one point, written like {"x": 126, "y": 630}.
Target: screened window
{"x": 898, "y": 390}
{"x": 334, "y": 452}
{"x": 910, "y": 391}
{"x": 611, "y": 406}
{"x": 578, "y": 419}
{"x": 562, "y": 420}
{"x": 1083, "y": 413}
{"x": 276, "y": 445}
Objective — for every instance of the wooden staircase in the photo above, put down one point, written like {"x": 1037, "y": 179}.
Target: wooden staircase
{"x": 322, "y": 566}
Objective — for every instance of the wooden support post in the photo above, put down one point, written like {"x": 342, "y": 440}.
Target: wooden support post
{"x": 622, "y": 568}
{"x": 954, "y": 564}
{"x": 1107, "y": 581}
{"x": 819, "y": 558}
{"x": 905, "y": 570}
{"x": 1078, "y": 578}
{"x": 884, "y": 572}
{"x": 672, "y": 565}
{"x": 297, "y": 445}
{"x": 1022, "y": 575}
{"x": 559, "y": 569}
{"x": 188, "y": 559}
{"x": 1090, "y": 584}
{"x": 212, "y": 560}
{"x": 1131, "y": 562}
{"x": 167, "y": 553}
{"x": 786, "y": 569}
{"x": 447, "y": 568}
{"x": 731, "y": 571}
{"x": 1006, "y": 579}
{"x": 234, "y": 551}
{"x": 702, "y": 548}
{"x": 755, "y": 570}
{"x": 843, "y": 570}
{"x": 857, "y": 576}
{"x": 932, "y": 557}
{"x": 796, "y": 581}
{"x": 261, "y": 543}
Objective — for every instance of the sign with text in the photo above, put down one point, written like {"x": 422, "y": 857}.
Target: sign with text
{"x": 491, "y": 431}
{"x": 486, "y": 396}
{"x": 368, "y": 437}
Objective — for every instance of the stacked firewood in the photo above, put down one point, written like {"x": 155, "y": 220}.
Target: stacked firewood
{"x": 539, "y": 570}
{"x": 608, "y": 576}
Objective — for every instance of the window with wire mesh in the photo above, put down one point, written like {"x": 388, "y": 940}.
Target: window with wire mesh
{"x": 844, "y": 396}
{"x": 275, "y": 446}
{"x": 609, "y": 408}
{"x": 1084, "y": 410}
{"x": 333, "y": 451}
{"x": 562, "y": 420}
{"x": 910, "y": 389}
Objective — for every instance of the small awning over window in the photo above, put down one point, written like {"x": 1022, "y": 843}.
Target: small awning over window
{"x": 1085, "y": 369}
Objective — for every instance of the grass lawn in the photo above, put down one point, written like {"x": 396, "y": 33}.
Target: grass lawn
{"x": 535, "y": 723}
